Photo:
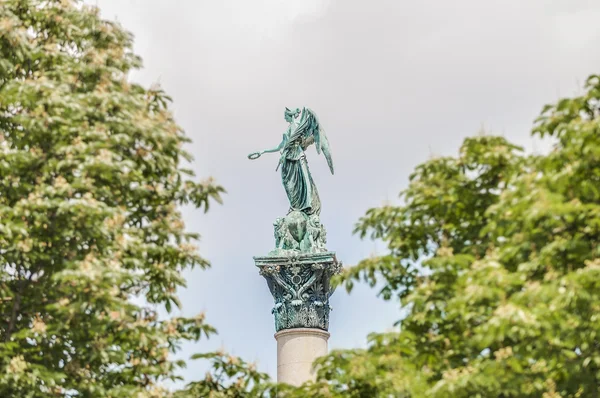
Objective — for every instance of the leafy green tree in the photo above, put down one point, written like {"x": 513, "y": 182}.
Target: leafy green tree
{"x": 90, "y": 185}
{"x": 230, "y": 377}
{"x": 496, "y": 256}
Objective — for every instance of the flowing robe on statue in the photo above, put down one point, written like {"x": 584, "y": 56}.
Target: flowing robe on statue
{"x": 295, "y": 175}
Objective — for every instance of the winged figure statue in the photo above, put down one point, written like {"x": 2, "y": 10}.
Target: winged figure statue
{"x": 303, "y": 130}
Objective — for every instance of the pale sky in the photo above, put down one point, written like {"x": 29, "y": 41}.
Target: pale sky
{"x": 392, "y": 82}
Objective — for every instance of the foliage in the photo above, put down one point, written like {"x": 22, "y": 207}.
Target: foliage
{"x": 90, "y": 184}
{"x": 230, "y": 377}
{"x": 496, "y": 255}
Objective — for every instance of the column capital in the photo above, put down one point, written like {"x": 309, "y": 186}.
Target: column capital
{"x": 300, "y": 285}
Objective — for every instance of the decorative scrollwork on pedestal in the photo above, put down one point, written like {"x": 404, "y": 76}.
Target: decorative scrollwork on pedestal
{"x": 299, "y": 232}
{"x": 300, "y": 285}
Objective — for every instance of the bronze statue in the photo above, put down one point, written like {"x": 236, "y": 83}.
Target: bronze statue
{"x": 304, "y": 129}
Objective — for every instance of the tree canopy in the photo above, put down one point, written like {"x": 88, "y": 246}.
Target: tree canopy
{"x": 91, "y": 180}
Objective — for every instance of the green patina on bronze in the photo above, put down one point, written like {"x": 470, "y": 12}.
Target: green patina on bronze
{"x": 303, "y": 130}
{"x": 299, "y": 268}
{"x": 300, "y": 286}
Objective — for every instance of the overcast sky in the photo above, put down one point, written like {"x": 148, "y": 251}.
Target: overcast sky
{"x": 392, "y": 82}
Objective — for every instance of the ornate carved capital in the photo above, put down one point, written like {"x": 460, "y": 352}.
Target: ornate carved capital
{"x": 300, "y": 285}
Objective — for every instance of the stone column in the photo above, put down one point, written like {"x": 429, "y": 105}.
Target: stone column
{"x": 297, "y": 350}
{"x": 299, "y": 283}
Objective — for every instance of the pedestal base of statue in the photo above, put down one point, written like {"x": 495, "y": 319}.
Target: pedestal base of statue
{"x": 297, "y": 350}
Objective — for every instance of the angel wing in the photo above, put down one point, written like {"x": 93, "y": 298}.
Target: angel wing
{"x": 310, "y": 130}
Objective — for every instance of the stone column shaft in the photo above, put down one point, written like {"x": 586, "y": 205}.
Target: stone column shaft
{"x": 297, "y": 350}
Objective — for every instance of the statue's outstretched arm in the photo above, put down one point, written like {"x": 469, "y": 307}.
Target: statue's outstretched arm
{"x": 256, "y": 155}
{"x": 277, "y": 149}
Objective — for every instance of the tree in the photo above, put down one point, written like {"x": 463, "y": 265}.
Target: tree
{"x": 231, "y": 377}
{"x": 496, "y": 255}
{"x": 90, "y": 187}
